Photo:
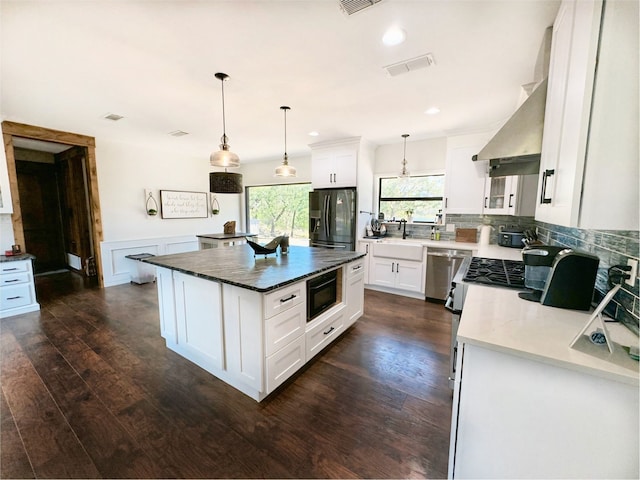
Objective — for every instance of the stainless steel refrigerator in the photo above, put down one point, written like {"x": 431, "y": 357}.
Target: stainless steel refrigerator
{"x": 332, "y": 218}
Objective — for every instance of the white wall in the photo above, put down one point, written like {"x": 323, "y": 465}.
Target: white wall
{"x": 423, "y": 156}
{"x": 125, "y": 170}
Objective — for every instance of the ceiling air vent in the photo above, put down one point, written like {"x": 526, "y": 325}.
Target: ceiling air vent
{"x": 406, "y": 66}
{"x": 178, "y": 133}
{"x": 353, "y": 6}
{"x": 113, "y": 116}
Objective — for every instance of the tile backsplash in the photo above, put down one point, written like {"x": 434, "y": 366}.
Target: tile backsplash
{"x": 612, "y": 247}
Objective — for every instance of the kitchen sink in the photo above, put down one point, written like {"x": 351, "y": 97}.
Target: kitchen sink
{"x": 398, "y": 249}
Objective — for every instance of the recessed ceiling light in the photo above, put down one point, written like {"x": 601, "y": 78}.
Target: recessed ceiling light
{"x": 178, "y": 133}
{"x": 113, "y": 116}
{"x": 394, "y": 36}
{"x": 314, "y": 133}
{"x": 432, "y": 111}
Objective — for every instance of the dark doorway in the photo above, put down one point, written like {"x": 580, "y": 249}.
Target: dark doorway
{"x": 40, "y": 203}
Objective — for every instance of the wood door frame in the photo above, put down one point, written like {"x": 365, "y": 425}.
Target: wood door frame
{"x": 12, "y": 129}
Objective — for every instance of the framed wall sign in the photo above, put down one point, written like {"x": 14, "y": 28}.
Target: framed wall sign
{"x": 177, "y": 204}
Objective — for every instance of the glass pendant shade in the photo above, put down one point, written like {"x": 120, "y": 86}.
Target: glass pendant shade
{"x": 404, "y": 173}
{"x": 285, "y": 170}
{"x": 225, "y": 182}
{"x": 224, "y": 157}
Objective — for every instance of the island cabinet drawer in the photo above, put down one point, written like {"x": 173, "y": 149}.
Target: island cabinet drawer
{"x": 356, "y": 268}
{"x": 284, "y": 299}
{"x": 14, "y": 297}
{"x": 284, "y": 327}
{"x": 284, "y": 363}
{"x": 14, "y": 267}
{"x": 14, "y": 278}
{"x": 322, "y": 334}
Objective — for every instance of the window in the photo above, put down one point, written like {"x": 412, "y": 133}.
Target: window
{"x": 274, "y": 210}
{"x": 420, "y": 195}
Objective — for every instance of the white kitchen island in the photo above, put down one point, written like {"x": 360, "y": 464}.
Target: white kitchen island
{"x": 243, "y": 318}
{"x": 526, "y": 405}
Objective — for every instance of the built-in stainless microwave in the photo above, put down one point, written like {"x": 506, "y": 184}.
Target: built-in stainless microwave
{"x": 322, "y": 293}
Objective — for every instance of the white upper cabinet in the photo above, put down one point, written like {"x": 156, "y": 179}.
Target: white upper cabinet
{"x": 589, "y": 165}
{"x": 335, "y": 165}
{"x": 464, "y": 178}
{"x": 5, "y": 194}
{"x": 511, "y": 195}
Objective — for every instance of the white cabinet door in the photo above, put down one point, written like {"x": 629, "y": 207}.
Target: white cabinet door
{"x": 5, "y": 194}
{"x": 409, "y": 275}
{"x": 382, "y": 272}
{"x": 354, "y": 291}
{"x": 167, "y": 307}
{"x": 334, "y": 167}
{"x": 464, "y": 180}
{"x": 512, "y": 195}
{"x": 199, "y": 320}
{"x": 393, "y": 273}
{"x": 566, "y": 124}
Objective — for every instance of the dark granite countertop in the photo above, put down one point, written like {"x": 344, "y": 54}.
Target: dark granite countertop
{"x": 15, "y": 258}
{"x": 224, "y": 236}
{"x": 237, "y": 266}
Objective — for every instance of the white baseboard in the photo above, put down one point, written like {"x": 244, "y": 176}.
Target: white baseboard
{"x": 116, "y": 269}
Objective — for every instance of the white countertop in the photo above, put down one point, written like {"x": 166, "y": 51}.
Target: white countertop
{"x": 498, "y": 319}
{"x": 489, "y": 251}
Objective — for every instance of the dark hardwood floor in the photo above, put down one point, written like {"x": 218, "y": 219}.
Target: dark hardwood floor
{"x": 89, "y": 390}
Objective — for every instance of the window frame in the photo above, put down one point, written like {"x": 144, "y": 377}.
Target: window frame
{"x": 410, "y": 199}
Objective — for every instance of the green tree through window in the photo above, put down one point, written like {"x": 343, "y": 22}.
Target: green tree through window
{"x": 420, "y": 197}
{"x": 274, "y": 210}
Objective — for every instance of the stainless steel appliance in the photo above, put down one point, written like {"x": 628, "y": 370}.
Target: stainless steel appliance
{"x": 486, "y": 271}
{"x": 332, "y": 218}
{"x": 569, "y": 281}
{"x": 442, "y": 265}
{"x": 321, "y": 293}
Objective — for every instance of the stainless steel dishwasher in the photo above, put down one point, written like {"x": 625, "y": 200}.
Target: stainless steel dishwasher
{"x": 442, "y": 264}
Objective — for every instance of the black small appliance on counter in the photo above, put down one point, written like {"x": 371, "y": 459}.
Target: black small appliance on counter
{"x": 511, "y": 238}
{"x": 560, "y": 277}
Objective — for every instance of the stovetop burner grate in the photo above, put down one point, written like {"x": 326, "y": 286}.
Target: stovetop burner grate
{"x": 493, "y": 271}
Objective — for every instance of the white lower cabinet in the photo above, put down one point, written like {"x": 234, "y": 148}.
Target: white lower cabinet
{"x": 199, "y": 320}
{"x": 17, "y": 290}
{"x": 392, "y": 273}
{"x": 354, "y": 290}
{"x": 324, "y": 330}
{"x": 253, "y": 341}
{"x": 515, "y": 417}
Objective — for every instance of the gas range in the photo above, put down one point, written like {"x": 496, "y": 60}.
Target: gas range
{"x": 494, "y": 271}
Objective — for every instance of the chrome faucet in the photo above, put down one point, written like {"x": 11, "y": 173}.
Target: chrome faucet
{"x": 404, "y": 227}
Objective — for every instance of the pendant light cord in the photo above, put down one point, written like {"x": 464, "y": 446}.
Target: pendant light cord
{"x": 224, "y": 123}
{"x": 285, "y": 108}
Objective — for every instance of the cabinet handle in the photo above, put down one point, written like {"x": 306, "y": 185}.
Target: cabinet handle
{"x": 330, "y": 178}
{"x": 11, "y": 281}
{"x": 283, "y": 300}
{"x": 511, "y": 200}
{"x": 367, "y": 248}
{"x": 485, "y": 201}
{"x": 14, "y": 298}
{"x": 329, "y": 331}
{"x": 357, "y": 267}
{"x": 9, "y": 269}
{"x": 393, "y": 265}
{"x": 446, "y": 202}
{"x": 543, "y": 194}
{"x": 397, "y": 267}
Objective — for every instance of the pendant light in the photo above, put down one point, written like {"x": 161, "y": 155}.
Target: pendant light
{"x": 285, "y": 170}
{"x": 224, "y": 157}
{"x": 404, "y": 173}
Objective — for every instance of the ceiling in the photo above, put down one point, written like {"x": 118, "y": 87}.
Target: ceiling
{"x": 67, "y": 64}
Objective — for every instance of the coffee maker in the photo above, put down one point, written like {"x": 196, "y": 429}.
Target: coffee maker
{"x": 559, "y": 277}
